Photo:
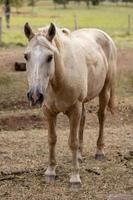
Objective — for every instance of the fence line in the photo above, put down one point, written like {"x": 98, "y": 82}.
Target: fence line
{"x": 129, "y": 25}
{"x": 128, "y": 29}
{"x": 0, "y": 30}
{"x": 75, "y": 22}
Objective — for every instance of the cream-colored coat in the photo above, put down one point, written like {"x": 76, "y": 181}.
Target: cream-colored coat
{"x": 88, "y": 59}
{"x": 69, "y": 69}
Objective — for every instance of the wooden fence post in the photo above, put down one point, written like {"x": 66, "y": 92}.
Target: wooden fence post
{"x": 129, "y": 25}
{"x": 0, "y": 30}
{"x": 75, "y": 23}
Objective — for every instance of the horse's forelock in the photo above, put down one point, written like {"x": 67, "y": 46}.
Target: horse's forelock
{"x": 57, "y": 42}
{"x": 45, "y": 42}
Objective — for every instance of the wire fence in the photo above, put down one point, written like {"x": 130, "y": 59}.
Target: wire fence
{"x": 127, "y": 29}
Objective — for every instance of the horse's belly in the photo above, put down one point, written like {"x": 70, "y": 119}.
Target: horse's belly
{"x": 96, "y": 80}
{"x": 94, "y": 90}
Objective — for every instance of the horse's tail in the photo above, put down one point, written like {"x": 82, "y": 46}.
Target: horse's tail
{"x": 113, "y": 65}
{"x": 111, "y": 103}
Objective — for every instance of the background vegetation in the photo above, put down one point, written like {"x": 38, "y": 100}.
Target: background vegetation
{"x": 110, "y": 17}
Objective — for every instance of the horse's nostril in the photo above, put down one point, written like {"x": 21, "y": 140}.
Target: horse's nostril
{"x": 29, "y": 95}
{"x": 35, "y": 97}
{"x": 40, "y": 97}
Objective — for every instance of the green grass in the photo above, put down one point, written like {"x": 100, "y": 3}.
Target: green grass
{"x": 110, "y": 18}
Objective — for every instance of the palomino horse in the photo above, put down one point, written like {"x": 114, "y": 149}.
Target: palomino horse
{"x": 65, "y": 70}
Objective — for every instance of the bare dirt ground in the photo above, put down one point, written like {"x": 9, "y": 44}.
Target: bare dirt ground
{"x": 24, "y": 148}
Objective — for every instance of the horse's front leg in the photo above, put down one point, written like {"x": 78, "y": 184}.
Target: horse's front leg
{"x": 50, "y": 172}
{"x": 74, "y": 119}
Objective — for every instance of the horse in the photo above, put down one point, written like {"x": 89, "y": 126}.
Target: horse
{"x": 66, "y": 70}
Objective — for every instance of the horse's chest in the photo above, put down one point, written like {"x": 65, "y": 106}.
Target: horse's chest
{"x": 61, "y": 100}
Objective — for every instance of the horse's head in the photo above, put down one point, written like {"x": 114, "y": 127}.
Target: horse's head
{"x": 39, "y": 56}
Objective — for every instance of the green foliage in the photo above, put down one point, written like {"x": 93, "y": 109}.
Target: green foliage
{"x": 95, "y": 2}
{"x": 16, "y": 3}
{"x": 31, "y": 2}
{"x": 19, "y": 3}
{"x": 110, "y": 18}
{"x": 63, "y": 2}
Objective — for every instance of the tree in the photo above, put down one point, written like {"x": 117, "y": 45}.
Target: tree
{"x": 95, "y": 2}
{"x": 16, "y": 3}
{"x": 31, "y": 3}
{"x": 63, "y": 2}
{"x": 87, "y": 3}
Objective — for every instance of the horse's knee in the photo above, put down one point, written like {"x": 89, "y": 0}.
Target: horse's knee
{"x": 73, "y": 144}
{"x": 52, "y": 140}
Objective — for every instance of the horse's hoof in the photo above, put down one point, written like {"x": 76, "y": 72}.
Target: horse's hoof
{"x": 50, "y": 178}
{"x": 100, "y": 157}
{"x": 75, "y": 181}
{"x": 75, "y": 185}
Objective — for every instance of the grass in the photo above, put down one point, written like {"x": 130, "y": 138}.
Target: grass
{"x": 110, "y": 18}
{"x": 28, "y": 150}
{"x": 13, "y": 87}
{"x": 125, "y": 83}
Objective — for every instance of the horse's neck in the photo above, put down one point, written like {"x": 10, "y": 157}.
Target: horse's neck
{"x": 60, "y": 74}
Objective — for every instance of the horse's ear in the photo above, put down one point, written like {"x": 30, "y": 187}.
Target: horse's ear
{"x": 28, "y": 31}
{"x": 51, "y": 32}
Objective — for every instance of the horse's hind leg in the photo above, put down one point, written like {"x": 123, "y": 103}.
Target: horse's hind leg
{"x": 81, "y": 130}
{"x": 103, "y": 102}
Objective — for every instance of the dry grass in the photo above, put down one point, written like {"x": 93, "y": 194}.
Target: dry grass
{"x": 28, "y": 150}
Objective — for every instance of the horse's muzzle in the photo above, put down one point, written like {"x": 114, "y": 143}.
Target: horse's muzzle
{"x": 35, "y": 97}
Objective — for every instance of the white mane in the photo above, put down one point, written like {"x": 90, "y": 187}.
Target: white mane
{"x": 57, "y": 44}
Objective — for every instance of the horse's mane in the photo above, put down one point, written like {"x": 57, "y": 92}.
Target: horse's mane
{"x": 57, "y": 42}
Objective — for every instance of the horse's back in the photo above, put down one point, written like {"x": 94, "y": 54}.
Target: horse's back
{"x": 97, "y": 37}
{"x": 100, "y": 52}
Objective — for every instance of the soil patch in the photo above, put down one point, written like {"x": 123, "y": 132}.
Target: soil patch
{"x": 14, "y": 123}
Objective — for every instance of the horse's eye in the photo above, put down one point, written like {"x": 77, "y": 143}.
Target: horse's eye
{"x": 26, "y": 56}
{"x": 49, "y": 58}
